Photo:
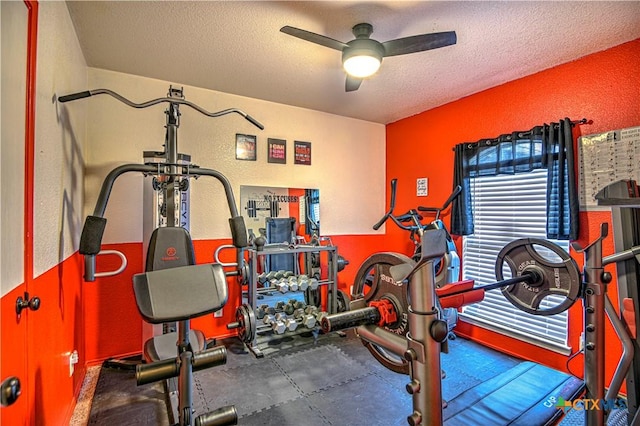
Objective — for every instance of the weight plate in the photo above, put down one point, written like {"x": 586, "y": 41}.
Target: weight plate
{"x": 247, "y": 320}
{"x": 558, "y": 286}
{"x": 373, "y": 281}
{"x": 313, "y": 297}
{"x": 343, "y": 301}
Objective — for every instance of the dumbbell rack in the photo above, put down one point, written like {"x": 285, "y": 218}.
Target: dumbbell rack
{"x": 330, "y": 281}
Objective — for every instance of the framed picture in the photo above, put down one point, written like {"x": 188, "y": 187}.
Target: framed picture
{"x": 277, "y": 151}
{"x": 245, "y": 147}
{"x": 302, "y": 152}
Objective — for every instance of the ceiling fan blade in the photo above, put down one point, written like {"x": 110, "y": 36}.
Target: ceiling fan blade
{"x": 352, "y": 83}
{"x": 419, "y": 43}
{"x": 314, "y": 38}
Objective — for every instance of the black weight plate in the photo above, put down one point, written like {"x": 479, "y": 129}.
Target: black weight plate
{"x": 373, "y": 280}
{"x": 247, "y": 320}
{"x": 559, "y": 276}
{"x": 343, "y": 301}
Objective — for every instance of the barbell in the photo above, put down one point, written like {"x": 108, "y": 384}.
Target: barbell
{"x": 254, "y": 206}
{"x": 543, "y": 280}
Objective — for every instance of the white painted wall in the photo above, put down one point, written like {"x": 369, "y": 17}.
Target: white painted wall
{"x": 348, "y": 156}
{"x": 13, "y": 93}
{"x": 59, "y": 139}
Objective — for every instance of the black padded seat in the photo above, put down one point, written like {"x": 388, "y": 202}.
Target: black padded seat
{"x": 525, "y": 395}
{"x": 178, "y": 294}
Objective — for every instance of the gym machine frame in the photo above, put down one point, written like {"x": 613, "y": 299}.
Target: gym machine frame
{"x": 422, "y": 345}
{"x": 169, "y": 171}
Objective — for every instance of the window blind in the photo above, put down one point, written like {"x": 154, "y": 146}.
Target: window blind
{"x": 505, "y": 208}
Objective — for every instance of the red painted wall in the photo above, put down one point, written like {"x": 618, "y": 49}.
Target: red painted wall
{"x": 603, "y": 87}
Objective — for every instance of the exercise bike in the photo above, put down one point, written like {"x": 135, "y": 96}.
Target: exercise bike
{"x": 170, "y": 263}
{"x": 375, "y": 270}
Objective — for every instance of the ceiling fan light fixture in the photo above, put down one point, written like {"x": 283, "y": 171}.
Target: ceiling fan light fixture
{"x": 361, "y": 66}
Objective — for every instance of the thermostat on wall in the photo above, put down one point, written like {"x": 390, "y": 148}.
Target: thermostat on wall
{"x": 422, "y": 187}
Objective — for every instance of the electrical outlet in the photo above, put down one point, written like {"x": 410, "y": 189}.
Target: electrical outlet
{"x": 73, "y": 360}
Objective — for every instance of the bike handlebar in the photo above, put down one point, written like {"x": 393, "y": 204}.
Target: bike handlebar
{"x": 87, "y": 93}
{"x": 389, "y": 213}
{"x": 454, "y": 194}
{"x": 412, "y": 214}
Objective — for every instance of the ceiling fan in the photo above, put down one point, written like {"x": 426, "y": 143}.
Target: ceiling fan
{"x": 362, "y": 56}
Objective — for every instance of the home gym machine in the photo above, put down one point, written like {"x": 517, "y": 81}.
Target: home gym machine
{"x": 535, "y": 273}
{"x": 170, "y": 290}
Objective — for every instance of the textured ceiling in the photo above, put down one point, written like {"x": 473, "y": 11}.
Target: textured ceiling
{"x": 236, "y": 46}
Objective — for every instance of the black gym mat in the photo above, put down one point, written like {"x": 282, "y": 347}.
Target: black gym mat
{"x": 329, "y": 381}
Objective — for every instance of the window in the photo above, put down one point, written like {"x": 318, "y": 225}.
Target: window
{"x": 505, "y": 208}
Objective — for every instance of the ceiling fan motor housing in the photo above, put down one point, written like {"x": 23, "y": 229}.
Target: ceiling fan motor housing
{"x": 363, "y": 47}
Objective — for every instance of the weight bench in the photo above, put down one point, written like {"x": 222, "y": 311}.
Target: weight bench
{"x": 525, "y": 395}
{"x": 179, "y": 294}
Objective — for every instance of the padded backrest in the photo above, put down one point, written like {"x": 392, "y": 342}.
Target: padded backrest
{"x": 178, "y": 294}
{"x": 169, "y": 247}
{"x": 280, "y": 230}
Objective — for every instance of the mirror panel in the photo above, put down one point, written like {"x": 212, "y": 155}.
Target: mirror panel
{"x": 257, "y": 203}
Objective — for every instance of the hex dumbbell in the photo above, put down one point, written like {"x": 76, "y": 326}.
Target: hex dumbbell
{"x": 308, "y": 320}
{"x": 268, "y": 319}
{"x": 278, "y": 327}
{"x": 320, "y": 315}
{"x": 313, "y": 283}
{"x": 282, "y": 287}
{"x": 291, "y": 324}
{"x": 261, "y": 311}
{"x": 303, "y": 282}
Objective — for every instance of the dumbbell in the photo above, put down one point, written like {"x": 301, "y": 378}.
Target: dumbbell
{"x": 281, "y": 316}
{"x": 320, "y": 315}
{"x": 298, "y": 313}
{"x": 308, "y": 320}
{"x": 280, "y": 274}
{"x": 261, "y": 311}
{"x": 311, "y": 310}
{"x": 290, "y": 307}
{"x": 293, "y": 283}
{"x": 303, "y": 282}
{"x": 282, "y": 287}
{"x": 291, "y": 324}
{"x": 268, "y": 319}
{"x": 313, "y": 283}
{"x": 288, "y": 274}
{"x": 262, "y": 278}
{"x": 280, "y": 305}
{"x": 278, "y": 326}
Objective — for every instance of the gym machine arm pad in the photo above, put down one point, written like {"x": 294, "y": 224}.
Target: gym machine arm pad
{"x": 91, "y": 237}
{"x": 238, "y": 232}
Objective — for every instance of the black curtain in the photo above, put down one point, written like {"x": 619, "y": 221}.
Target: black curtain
{"x": 549, "y": 146}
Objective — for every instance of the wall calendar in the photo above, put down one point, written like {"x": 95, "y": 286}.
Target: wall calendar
{"x": 605, "y": 158}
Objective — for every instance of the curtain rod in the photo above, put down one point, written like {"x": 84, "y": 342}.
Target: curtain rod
{"x": 573, "y": 123}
